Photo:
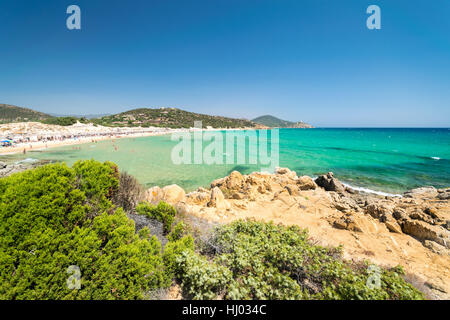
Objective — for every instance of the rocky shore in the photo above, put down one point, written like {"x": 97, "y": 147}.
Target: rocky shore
{"x": 412, "y": 230}
{"x": 7, "y": 169}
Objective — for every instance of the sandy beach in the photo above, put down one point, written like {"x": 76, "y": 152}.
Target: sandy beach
{"x": 29, "y": 136}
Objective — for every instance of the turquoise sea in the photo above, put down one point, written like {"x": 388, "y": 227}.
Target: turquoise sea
{"x": 387, "y": 160}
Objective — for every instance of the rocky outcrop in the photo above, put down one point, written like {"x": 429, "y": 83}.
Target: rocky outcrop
{"x": 424, "y": 231}
{"x": 173, "y": 194}
{"x": 424, "y": 192}
{"x": 330, "y": 183}
{"x": 154, "y": 195}
{"x": 217, "y": 199}
{"x": 9, "y": 169}
{"x": 306, "y": 183}
{"x": 412, "y": 230}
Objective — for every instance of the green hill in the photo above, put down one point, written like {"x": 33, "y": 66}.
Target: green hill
{"x": 10, "y": 113}
{"x": 171, "y": 118}
{"x": 274, "y": 122}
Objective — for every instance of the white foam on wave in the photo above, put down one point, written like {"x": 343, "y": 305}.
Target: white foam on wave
{"x": 28, "y": 160}
{"x": 366, "y": 190}
{"x": 435, "y": 158}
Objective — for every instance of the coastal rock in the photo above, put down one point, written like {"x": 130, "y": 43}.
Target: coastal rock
{"x": 218, "y": 200}
{"x": 436, "y": 248}
{"x": 424, "y": 231}
{"x": 424, "y": 192}
{"x": 355, "y": 223}
{"x": 199, "y": 197}
{"x": 285, "y": 171}
{"x": 2, "y": 165}
{"x": 293, "y": 190}
{"x": 330, "y": 183}
{"x": 444, "y": 194}
{"x": 392, "y": 225}
{"x": 234, "y": 181}
{"x": 379, "y": 211}
{"x": 400, "y": 214}
{"x": 154, "y": 195}
{"x": 173, "y": 194}
{"x": 285, "y": 197}
{"x": 306, "y": 183}
{"x": 217, "y": 183}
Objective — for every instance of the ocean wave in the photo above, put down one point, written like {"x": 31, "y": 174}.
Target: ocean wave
{"x": 435, "y": 158}
{"x": 28, "y": 160}
{"x": 367, "y": 190}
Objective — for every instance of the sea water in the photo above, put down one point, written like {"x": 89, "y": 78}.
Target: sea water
{"x": 384, "y": 160}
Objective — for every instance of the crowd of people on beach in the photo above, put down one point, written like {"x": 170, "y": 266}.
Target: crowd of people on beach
{"x": 22, "y": 137}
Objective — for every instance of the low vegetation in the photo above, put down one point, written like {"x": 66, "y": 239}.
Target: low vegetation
{"x": 256, "y": 260}
{"x": 10, "y": 113}
{"x": 65, "y": 121}
{"x": 169, "y": 118}
{"x": 57, "y": 220}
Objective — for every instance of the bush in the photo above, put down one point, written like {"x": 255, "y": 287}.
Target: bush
{"x": 163, "y": 212}
{"x": 129, "y": 193}
{"x": 173, "y": 249}
{"x": 178, "y": 231}
{"x": 266, "y": 261}
{"x": 200, "y": 278}
{"x": 54, "y": 217}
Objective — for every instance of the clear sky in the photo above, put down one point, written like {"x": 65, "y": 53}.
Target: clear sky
{"x": 313, "y": 60}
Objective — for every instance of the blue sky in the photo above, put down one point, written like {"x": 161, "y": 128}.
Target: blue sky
{"x": 314, "y": 60}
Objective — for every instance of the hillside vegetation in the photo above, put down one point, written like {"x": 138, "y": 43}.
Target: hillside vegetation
{"x": 274, "y": 122}
{"x": 10, "y": 113}
{"x": 64, "y": 234}
{"x": 171, "y": 118}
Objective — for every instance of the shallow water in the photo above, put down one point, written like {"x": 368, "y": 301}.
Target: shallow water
{"x": 388, "y": 160}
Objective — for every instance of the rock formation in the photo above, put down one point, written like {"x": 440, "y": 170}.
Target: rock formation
{"x": 412, "y": 230}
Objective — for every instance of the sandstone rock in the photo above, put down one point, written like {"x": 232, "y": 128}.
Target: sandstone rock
{"x": 237, "y": 196}
{"x": 393, "y": 226}
{"x": 349, "y": 222}
{"x": 330, "y": 183}
{"x": 424, "y": 192}
{"x": 306, "y": 183}
{"x": 424, "y": 231}
{"x": 400, "y": 214}
{"x": 293, "y": 190}
{"x": 285, "y": 171}
{"x": 173, "y": 194}
{"x": 199, "y": 197}
{"x": 217, "y": 183}
{"x": 218, "y": 199}
{"x": 154, "y": 195}
{"x": 436, "y": 248}
{"x": 351, "y": 190}
{"x": 234, "y": 181}
{"x": 378, "y": 211}
{"x": 340, "y": 223}
{"x": 444, "y": 194}
{"x": 285, "y": 197}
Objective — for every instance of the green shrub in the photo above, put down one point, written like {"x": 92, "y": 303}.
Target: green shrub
{"x": 163, "y": 212}
{"x": 267, "y": 261}
{"x": 173, "y": 249}
{"x": 200, "y": 278}
{"x": 178, "y": 231}
{"x": 53, "y": 217}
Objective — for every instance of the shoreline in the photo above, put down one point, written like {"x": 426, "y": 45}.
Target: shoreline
{"x": 106, "y": 133}
{"x": 40, "y": 145}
